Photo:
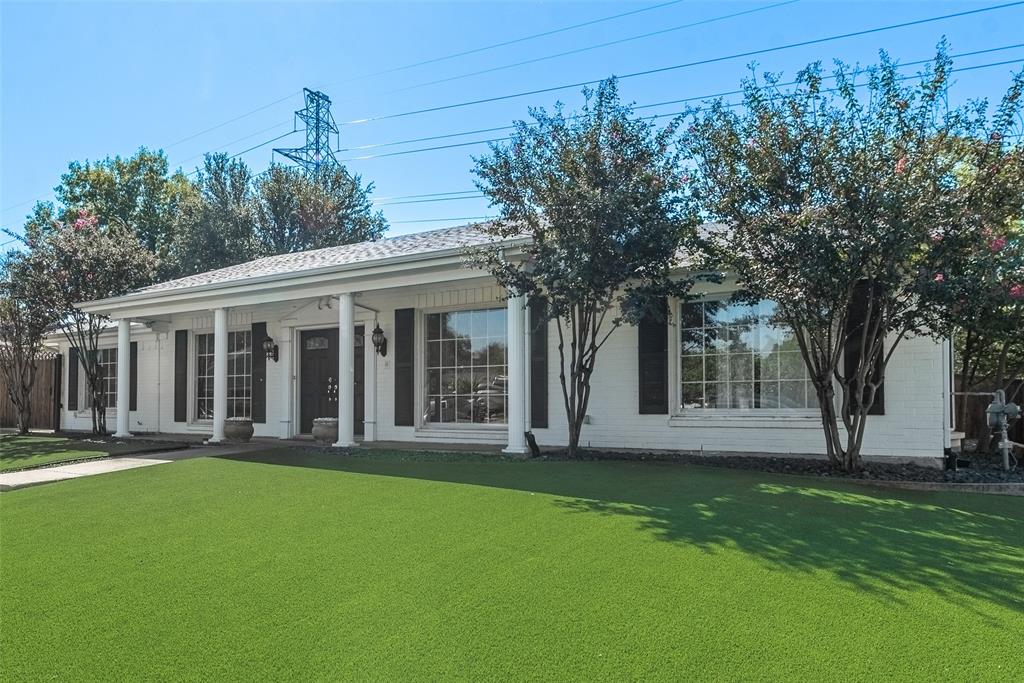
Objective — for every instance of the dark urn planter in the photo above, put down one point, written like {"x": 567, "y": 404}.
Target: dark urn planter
{"x": 237, "y": 429}
{"x": 325, "y": 430}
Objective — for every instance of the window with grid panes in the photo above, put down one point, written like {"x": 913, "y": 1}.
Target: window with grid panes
{"x": 732, "y": 356}
{"x": 239, "y": 375}
{"x": 106, "y": 364}
{"x": 466, "y": 373}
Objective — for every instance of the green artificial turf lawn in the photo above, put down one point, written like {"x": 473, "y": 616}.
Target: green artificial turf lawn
{"x": 318, "y": 567}
{"x": 24, "y": 452}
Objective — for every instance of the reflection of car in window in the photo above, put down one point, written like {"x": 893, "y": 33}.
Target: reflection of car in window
{"x": 488, "y": 401}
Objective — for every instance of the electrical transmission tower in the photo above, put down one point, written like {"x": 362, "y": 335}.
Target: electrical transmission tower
{"x": 317, "y": 153}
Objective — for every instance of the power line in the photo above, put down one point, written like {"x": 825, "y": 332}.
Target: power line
{"x": 598, "y": 46}
{"x": 423, "y": 63}
{"x": 710, "y": 60}
{"x": 649, "y": 118}
{"x": 830, "y": 77}
{"x": 245, "y": 151}
{"x": 417, "y": 196}
{"x": 442, "y": 220}
{"x": 237, "y": 118}
{"x": 435, "y": 148}
{"x": 436, "y": 199}
{"x": 544, "y": 90}
{"x": 424, "y": 139}
{"x": 514, "y": 41}
{"x": 14, "y": 206}
{"x": 495, "y": 129}
{"x": 233, "y": 142}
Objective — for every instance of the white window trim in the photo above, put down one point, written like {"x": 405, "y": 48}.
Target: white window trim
{"x": 420, "y": 333}
{"x": 194, "y": 423}
{"x": 83, "y": 410}
{"x": 801, "y": 418}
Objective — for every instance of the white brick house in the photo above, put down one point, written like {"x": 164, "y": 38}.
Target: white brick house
{"x": 463, "y": 364}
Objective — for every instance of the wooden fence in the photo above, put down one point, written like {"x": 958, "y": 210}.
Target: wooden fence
{"x": 45, "y": 397}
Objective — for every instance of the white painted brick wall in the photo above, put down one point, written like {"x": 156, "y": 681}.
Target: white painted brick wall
{"x": 911, "y": 427}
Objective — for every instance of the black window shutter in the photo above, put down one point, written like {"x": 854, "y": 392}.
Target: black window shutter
{"x": 851, "y": 354}
{"x": 133, "y": 376}
{"x": 73, "y": 378}
{"x": 538, "y": 364}
{"x": 58, "y": 364}
{"x": 259, "y": 373}
{"x": 652, "y": 334}
{"x": 181, "y": 375}
{"x": 405, "y": 367}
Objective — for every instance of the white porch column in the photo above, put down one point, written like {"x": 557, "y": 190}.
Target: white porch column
{"x": 528, "y": 355}
{"x": 346, "y": 370}
{"x": 285, "y": 356}
{"x": 220, "y": 373}
{"x": 124, "y": 349}
{"x": 369, "y": 384}
{"x": 516, "y": 376}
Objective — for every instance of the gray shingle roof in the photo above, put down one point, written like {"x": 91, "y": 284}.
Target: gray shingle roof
{"x": 363, "y": 252}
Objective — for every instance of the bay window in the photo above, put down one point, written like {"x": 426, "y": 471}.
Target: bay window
{"x": 733, "y": 357}
{"x": 466, "y": 373}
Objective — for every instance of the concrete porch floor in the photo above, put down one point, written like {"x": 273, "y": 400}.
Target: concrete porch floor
{"x": 308, "y": 442}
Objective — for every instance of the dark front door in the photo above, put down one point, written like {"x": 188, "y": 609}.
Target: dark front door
{"x": 318, "y": 378}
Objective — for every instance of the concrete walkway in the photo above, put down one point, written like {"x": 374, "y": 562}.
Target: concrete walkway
{"x": 88, "y": 468}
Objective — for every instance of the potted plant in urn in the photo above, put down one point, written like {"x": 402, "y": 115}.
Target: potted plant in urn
{"x": 325, "y": 430}
{"x": 238, "y": 429}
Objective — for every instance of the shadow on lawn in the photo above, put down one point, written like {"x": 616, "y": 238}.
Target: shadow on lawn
{"x": 959, "y": 546}
{"x": 15, "y": 447}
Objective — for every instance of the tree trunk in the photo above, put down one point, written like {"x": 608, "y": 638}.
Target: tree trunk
{"x": 584, "y": 325}
{"x": 24, "y": 418}
{"x": 829, "y": 423}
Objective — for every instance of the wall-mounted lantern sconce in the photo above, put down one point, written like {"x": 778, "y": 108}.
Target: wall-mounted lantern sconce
{"x": 270, "y": 348}
{"x": 380, "y": 342}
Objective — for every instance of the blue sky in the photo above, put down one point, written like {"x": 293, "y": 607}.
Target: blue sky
{"x": 86, "y": 80}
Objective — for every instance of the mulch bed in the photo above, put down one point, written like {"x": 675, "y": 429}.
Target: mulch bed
{"x": 979, "y": 472}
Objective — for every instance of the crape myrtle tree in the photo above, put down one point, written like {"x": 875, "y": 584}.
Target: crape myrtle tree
{"x": 23, "y": 323}
{"x": 848, "y": 207}
{"x": 987, "y": 295}
{"x": 135, "y": 191}
{"x": 77, "y": 261}
{"x": 599, "y": 193}
{"x": 296, "y": 211}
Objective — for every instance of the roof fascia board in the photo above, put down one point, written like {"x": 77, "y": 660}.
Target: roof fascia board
{"x": 248, "y": 297}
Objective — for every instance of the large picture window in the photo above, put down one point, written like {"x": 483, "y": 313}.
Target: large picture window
{"x": 733, "y": 357}
{"x": 239, "y": 375}
{"x": 466, "y": 369}
{"x": 106, "y": 364}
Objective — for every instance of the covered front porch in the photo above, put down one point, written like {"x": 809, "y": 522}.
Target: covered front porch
{"x": 451, "y": 362}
